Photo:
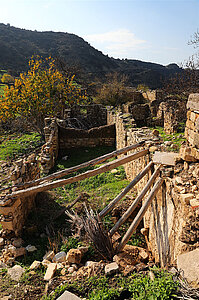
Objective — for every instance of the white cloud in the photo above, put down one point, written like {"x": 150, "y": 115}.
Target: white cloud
{"x": 119, "y": 43}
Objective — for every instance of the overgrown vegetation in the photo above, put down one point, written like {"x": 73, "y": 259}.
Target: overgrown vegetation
{"x": 14, "y": 145}
{"x": 42, "y": 91}
{"x": 136, "y": 286}
{"x": 101, "y": 188}
{"x": 176, "y": 138}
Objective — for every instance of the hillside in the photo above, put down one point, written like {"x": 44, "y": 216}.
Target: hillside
{"x": 18, "y": 45}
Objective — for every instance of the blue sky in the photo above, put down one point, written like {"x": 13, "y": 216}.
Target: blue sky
{"x": 156, "y": 31}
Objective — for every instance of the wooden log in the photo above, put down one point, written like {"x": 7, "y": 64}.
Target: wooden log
{"x": 51, "y": 185}
{"x": 140, "y": 215}
{"x": 90, "y": 163}
{"x": 135, "y": 203}
{"x": 125, "y": 191}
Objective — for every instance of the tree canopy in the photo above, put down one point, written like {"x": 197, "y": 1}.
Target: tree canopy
{"x": 40, "y": 92}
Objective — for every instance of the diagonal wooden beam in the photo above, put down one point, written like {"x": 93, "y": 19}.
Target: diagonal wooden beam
{"x": 135, "y": 203}
{"x": 90, "y": 163}
{"x": 51, "y": 185}
{"x": 140, "y": 215}
{"x": 126, "y": 190}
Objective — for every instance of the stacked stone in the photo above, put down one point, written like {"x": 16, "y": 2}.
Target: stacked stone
{"x": 170, "y": 114}
{"x": 127, "y": 134}
{"x": 49, "y": 151}
{"x": 78, "y": 138}
{"x": 90, "y": 116}
{"x": 191, "y": 151}
{"x": 14, "y": 211}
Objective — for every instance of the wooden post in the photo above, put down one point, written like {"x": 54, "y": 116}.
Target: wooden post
{"x": 136, "y": 201}
{"x": 51, "y": 185}
{"x": 140, "y": 215}
{"x": 125, "y": 191}
{"x": 90, "y": 163}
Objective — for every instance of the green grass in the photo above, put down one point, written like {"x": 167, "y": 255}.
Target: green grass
{"x": 101, "y": 188}
{"x": 14, "y": 145}
{"x": 176, "y": 138}
{"x": 136, "y": 286}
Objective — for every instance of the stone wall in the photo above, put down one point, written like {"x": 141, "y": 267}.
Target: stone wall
{"x": 77, "y": 138}
{"x": 49, "y": 151}
{"x": 85, "y": 116}
{"x": 173, "y": 217}
{"x": 172, "y": 220}
{"x": 14, "y": 211}
{"x": 127, "y": 134}
{"x": 190, "y": 151}
{"x": 140, "y": 112}
{"x": 170, "y": 114}
{"x": 153, "y": 95}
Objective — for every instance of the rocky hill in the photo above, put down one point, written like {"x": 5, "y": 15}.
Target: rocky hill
{"x": 18, "y": 45}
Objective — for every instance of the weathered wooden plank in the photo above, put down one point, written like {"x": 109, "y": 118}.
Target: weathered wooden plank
{"x": 165, "y": 158}
{"x": 51, "y": 185}
{"x": 136, "y": 202}
{"x": 140, "y": 215}
{"x": 90, "y": 163}
{"x": 126, "y": 190}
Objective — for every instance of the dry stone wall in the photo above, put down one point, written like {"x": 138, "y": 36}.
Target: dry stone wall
{"x": 85, "y": 116}
{"x": 190, "y": 151}
{"x": 49, "y": 151}
{"x": 172, "y": 220}
{"x": 170, "y": 114}
{"x": 78, "y": 138}
{"x": 14, "y": 211}
{"x": 127, "y": 134}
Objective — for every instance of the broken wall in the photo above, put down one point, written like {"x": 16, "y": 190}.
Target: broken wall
{"x": 172, "y": 219}
{"x": 78, "y": 138}
{"x": 15, "y": 211}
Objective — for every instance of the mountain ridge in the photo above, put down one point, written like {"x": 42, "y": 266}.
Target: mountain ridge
{"x": 18, "y": 45}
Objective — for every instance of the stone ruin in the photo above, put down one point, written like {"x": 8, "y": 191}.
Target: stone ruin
{"x": 172, "y": 221}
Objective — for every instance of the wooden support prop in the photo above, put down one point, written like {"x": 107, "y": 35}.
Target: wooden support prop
{"x": 90, "y": 163}
{"x": 51, "y": 185}
{"x": 125, "y": 191}
{"x": 140, "y": 215}
{"x": 136, "y": 202}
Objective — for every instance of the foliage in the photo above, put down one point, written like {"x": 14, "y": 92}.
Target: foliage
{"x": 186, "y": 81}
{"x": 40, "y": 92}
{"x": 176, "y": 138}
{"x": 114, "y": 91}
{"x": 142, "y": 88}
{"x": 14, "y": 145}
{"x": 6, "y": 78}
{"x": 2, "y": 87}
{"x": 71, "y": 243}
{"x": 136, "y": 286}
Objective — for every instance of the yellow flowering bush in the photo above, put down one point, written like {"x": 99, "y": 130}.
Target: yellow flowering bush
{"x": 40, "y": 92}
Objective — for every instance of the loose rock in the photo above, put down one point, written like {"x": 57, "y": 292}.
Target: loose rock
{"x": 52, "y": 267}
{"x": 59, "y": 257}
{"x": 111, "y": 268}
{"x": 74, "y": 256}
{"x": 16, "y": 272}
